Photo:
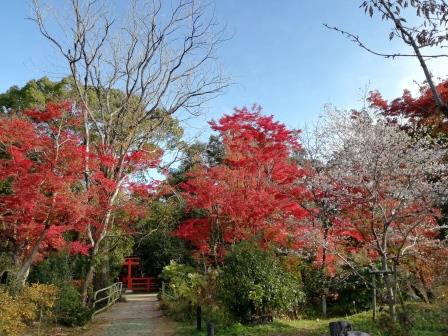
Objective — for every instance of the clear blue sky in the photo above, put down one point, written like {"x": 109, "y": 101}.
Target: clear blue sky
{"x": 280, "y": 56}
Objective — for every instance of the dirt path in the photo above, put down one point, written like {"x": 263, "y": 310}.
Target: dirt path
{"x": 138, "y": 315}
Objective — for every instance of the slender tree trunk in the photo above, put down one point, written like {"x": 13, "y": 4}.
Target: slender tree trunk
{"x": 24, "y": 270}
{"x": 389, "y": 288}
{"x": 324, "y": 261}
{"x": 90, "y": 273}
{"x": 91, "y": 269}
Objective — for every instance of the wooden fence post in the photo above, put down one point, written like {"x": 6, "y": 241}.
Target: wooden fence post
{"x": 374, "y": 295}
{"x": 198, "y": 318}
{"x": 210, "y": 329}
{"x": 324, "y": 305}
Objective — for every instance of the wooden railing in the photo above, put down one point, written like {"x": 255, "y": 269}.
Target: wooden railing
{"x": 111, "y": 294}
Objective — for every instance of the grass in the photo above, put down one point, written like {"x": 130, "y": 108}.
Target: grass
{"x": 428, "y": 320}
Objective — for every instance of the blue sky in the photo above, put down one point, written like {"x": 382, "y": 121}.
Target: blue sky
{"x": 280, "y": 56}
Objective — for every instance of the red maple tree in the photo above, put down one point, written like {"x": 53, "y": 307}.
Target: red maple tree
{"x": 43, "y": 191}
{"x": 255, "y": 194}
{"x": 41, "y": 159}
{"x": 421, "y": 110}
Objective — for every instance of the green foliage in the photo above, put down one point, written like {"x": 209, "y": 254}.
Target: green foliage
{"x": 186, "y": 289}
{"x": 352, "y": 295}
{"x": 238, "y": 329}
{"x": 184, "y": 283}
{"x": 117, "y": 251}
{"x": 158, "y": 247}
{"x": 163, "y": 127}
{"x": 57, "y": 270}
{"x": 210, "y": 154}
{"x": 346, "y": 291}
{"x": 193, "y": 154}
{"x": 6, "y": 262}
{"x": 215, "y": 151}
{"x": 314, "y": 284}
{"x": 69, "y": 309}
{"x": 5, "y": 185}
{"x": 109, "y": 261}
{"x": 253, "y": 282}
{"x": 36, "y": 93}
{"x": 157, "y": 251}
{"x": 429, "y": 320}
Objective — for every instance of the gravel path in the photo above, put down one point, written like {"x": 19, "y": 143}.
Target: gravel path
{"x": 138, "y": 315}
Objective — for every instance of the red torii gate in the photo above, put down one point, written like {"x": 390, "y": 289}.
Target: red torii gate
{"x": 136, "y": 283}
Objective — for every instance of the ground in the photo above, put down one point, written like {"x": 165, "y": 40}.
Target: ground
{"x": 136, "y": 314}
{"x": 139, "y": 314}
{"x": 428, "y": 320}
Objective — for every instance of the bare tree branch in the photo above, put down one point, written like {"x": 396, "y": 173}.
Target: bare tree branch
{"x": 133, "y": 74}
{"x": 430, "y": 32}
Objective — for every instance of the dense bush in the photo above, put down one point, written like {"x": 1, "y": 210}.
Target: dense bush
{"x": 57, "y": 269}
{"x": 158, "y": 250}
{"x": 350, "y": 294}
{"x": 69, "y": 309}
{"x": 346, "y": 291}
{"x": 254, "y": 283}
{"x": 31, "y": 303}
{"x": 183, "y": 282}
{"x": 160, "y": 246}
{"x": 186, "y": 289}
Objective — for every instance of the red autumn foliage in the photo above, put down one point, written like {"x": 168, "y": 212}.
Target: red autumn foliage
{"x": 42, "y": 184}
{"x": 254, "y": 195}
{"x": 41, "y": 160}
{"x": 375, "y": 200}
{"x": 385, "y": 186}
{"x": 421, "y": 110}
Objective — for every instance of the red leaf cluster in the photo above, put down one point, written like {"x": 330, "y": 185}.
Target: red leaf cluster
{"x": 41, "y": 161}
{"x": 421, "y": 110}
{"x": 254, "y": 195}
{"x": 43, "y": 189}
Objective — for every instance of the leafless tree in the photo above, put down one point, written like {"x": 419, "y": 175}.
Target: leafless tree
{"x": 422, "y": 32}
{"x": 132, "y": 74}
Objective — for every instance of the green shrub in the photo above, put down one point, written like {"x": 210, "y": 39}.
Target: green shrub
{"x": 183, "y": 290}
{"x": 186, "y": 289}
{"x": 346, "y": 291}
{"x": 254, "y": 283}
{"x": 69, "y": 309}
{"x": 178, "y": 310}
{"x": 184, "y": 283}
{"x": 57, "y": 270}
{"x": 53, "y": 270}
{"x": 353, "y": 296}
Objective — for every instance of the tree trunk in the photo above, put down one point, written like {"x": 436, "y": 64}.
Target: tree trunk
{"x": 90, "y": 273}
{"x": 101, "y": 278}
{"x": 324, "y": 262}
{"x": 24, "y": 270}
{"x": 324, "y": 305}
{"x": 390, "y": 289}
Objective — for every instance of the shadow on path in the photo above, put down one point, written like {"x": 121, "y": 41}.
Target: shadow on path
{"x": 138, "y": 314}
